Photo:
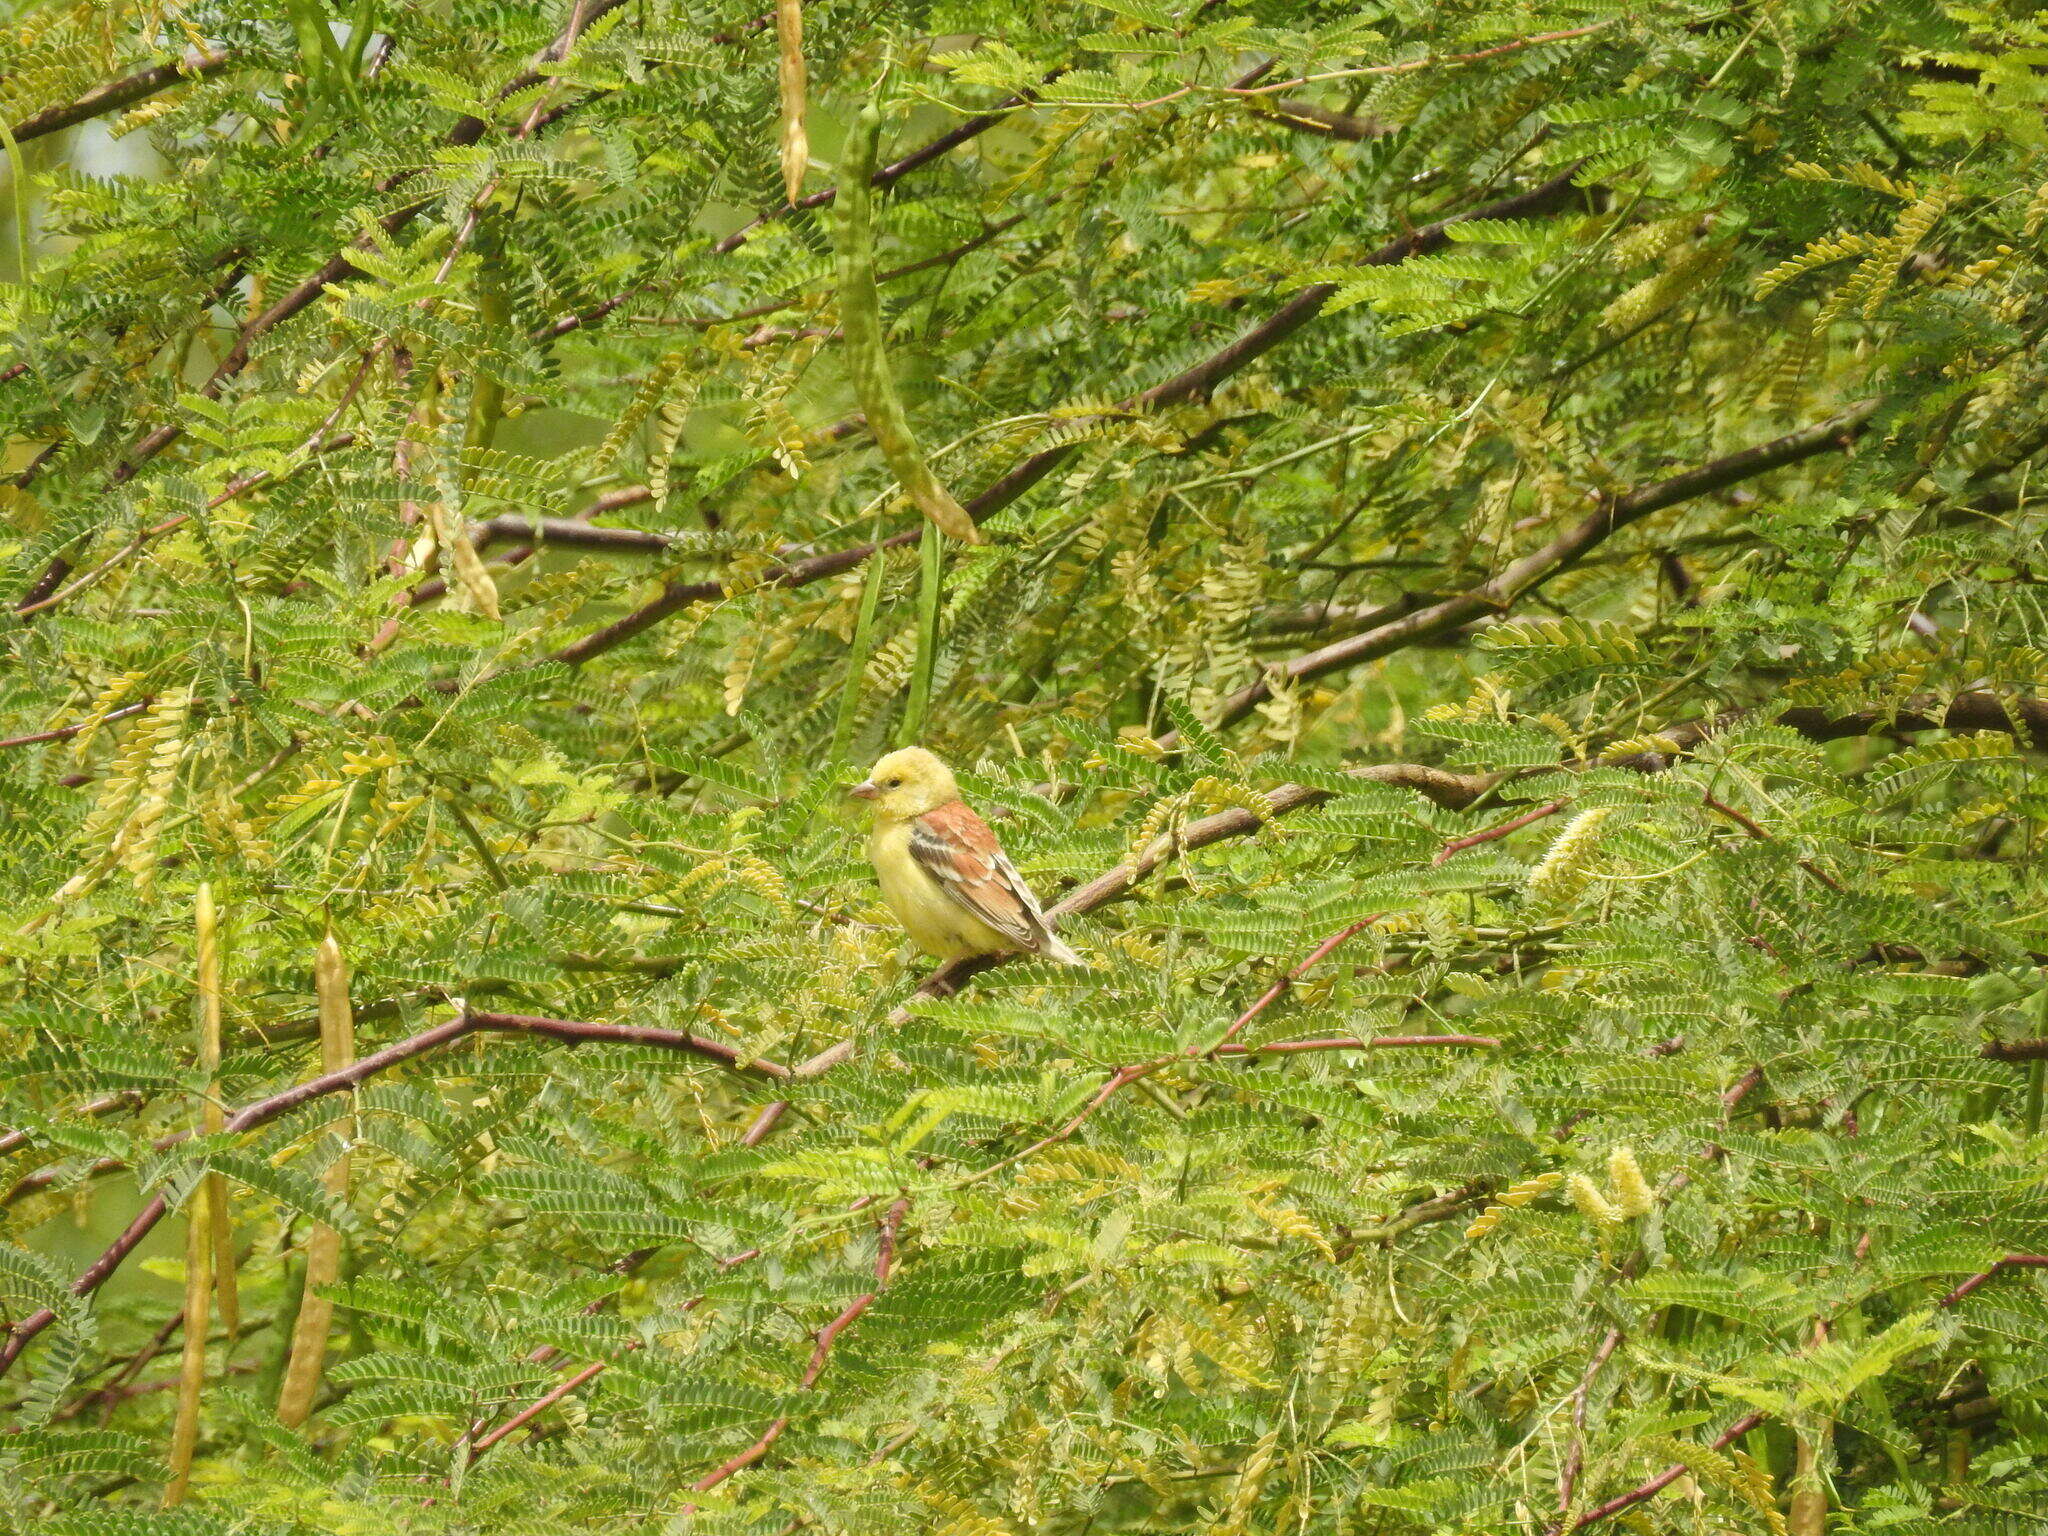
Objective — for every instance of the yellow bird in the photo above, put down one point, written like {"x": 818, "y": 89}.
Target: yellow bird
{"x": 942, "y": 871}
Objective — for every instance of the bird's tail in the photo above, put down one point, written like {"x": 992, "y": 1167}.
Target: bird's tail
{"x": 1055, "y": 948}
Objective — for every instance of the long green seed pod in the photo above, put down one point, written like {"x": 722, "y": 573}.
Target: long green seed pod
{"x": 199, "y": 1234}
{"x": 206, "y": 920}
{"x": 860, "y": 319}
{"x": 796, "y": 143}
{"x": 192, "y": 1361}
{"x": 323, "y": 1246}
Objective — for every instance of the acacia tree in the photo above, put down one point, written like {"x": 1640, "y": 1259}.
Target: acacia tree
{"x": 1482, "y": 552}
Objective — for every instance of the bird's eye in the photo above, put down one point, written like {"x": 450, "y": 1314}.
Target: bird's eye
{"x": 891, "y": 783}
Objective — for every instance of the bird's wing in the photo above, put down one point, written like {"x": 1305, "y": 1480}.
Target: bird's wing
{"x": 956, "y": 848}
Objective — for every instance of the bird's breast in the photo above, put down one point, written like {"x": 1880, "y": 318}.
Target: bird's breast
{"x": 937, "y": 923}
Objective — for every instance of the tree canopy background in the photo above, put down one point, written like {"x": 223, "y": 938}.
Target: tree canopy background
{"x": 1506, "y": 607}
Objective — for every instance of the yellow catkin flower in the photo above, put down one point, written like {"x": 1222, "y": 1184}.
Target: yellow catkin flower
{"x": 1591, "y": 1203}
{"x": 1632, "y": 1195}
{"x": 1563, "y": 872}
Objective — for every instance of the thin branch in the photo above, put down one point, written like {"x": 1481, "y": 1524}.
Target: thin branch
{"x": 1357, "y": 1043}
{"x": 1666, "y": 1478}
{"x": 265, "y": 1110}
{"x": 1458, "y": 845}
{"x": 66, "y": 732}
{"x": 1758, "y": 834}
{"x": 1519, "y": 577}
{"x": 884, "y": 176}
{"x": 1575, "y": 1458}
{"x": 127, "y": 1098}
{"x": 789, "y": 301}
{"x": 1193, "y": 383}
{"x": 1280, "y": 988}
{"x": 128, "y": 90}
{"x": 318, "y": 442}
{"x": 821, "y": 1352}
{"x": 1744, "y": 1425}
{"x": 541, "y": 1404}
{"x": 467, "y": 131}
{"x": 1292, "y": 112}
{"x": 1402, "y": 67}
{"x": 2010, "y": 1261}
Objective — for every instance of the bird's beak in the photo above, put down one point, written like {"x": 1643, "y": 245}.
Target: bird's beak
{"x": 864, "y": 790}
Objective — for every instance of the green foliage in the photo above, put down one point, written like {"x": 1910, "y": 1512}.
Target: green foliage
{"x": 1570, "y": 1024}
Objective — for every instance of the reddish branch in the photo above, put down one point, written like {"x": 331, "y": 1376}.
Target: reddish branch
{"x": 66, "y": 732}
{"x": 1280, "y": 988}
{"x": 1356, "y": 1043}
{"x": 541, "y": 1404}
{"x": 1575, "y": 1458}
{"x": 127, "y": 1098}
{"x": 263, "y": 1111}
{"x": 821, "y": 1352}
{"x": 1666, "y": 1478}
{"x": 1760, "y": 835}
{"x": 2010, "y": 1261}
{"x": 1458, "y": 845}
{"x": 1744, "y": 1425}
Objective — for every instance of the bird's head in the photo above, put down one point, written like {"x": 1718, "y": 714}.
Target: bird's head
{"x": 908, "y": 783}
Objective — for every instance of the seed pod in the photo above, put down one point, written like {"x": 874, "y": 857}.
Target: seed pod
{"x": 860, "y": 319}
{"x": 323, "y": 1246}
{"x": 206, "y": 923}
{"x": 192, "y": 1359}
{"x": 796, "y": 144}
{"x": 200, "y": 1232}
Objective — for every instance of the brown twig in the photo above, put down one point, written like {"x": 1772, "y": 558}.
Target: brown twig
{"x": 1666, "y": 1478}
{"x": 127, "y": 1098}
{"x": 1190, "y": 384}
{"x": 1744, "y": 1085}
{"x": 1575, "y": 1458}
{"x": 541, "y": 1404}
{"x": 1307, "y": 116}
{"x": 265, "y": 1110}
{"x": 1744, "y": 1425}
{"x": 1521, "y": 576}
{"x": 1758, "y": 834}
{"x": 116, "y": 94}
{"x": 821, "y": 1352}
{"x": 2010, "y": 1261}
{"x": 1280, "y": 988}
{"x": 1458, "y": 845}
{"x": 66, "y": 732}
